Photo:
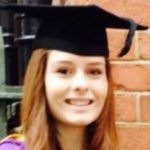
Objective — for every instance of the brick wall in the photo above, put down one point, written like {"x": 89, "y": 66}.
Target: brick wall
{"x": 131, "y": 76}
{"x": 131, "y": 73}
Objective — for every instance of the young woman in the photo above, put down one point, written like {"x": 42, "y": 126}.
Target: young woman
{"x": 64, "y": 100}
{"x": 68, "y": 94}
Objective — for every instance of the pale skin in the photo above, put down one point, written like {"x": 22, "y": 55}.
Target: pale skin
{"x": 76, "y": 89}
{"x": 71, "y": 138}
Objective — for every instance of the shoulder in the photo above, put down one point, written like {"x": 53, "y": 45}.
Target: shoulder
{"x": 12, "y": 142}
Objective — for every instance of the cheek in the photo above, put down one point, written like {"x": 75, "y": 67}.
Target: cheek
{"x": 54, "y": 87}
{"x": 54, "y": 94}
{"x": 101, "y": 89}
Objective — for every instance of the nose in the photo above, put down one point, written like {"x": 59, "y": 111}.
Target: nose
{"x": 80, "y": 83}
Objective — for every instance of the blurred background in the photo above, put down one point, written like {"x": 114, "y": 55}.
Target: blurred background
{"x": 16, "y": 36}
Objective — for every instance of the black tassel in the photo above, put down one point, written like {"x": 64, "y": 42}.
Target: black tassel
{"x": 132, "y": 28}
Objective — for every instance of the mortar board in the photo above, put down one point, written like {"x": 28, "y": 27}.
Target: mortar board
{"x": 75, "y": 29}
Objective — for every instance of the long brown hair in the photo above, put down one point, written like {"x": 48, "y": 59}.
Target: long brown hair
{"x": 38, "y": 124}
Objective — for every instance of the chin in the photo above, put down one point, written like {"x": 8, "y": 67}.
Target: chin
{"x": 77, "y": 120}
{"x": 80, "y": 123}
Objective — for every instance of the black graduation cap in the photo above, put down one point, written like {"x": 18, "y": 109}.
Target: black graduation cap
{"x": 75, "y": 29}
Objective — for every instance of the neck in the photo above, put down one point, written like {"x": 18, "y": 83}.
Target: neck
{"x": 71, "y": 137}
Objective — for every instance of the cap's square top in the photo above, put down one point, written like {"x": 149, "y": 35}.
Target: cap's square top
{"x": 75, "y": 29}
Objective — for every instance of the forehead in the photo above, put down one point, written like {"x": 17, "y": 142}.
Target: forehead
{"x": 59, "y": 56}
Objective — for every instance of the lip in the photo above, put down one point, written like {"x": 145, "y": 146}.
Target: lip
{"x": 79, "y": 102}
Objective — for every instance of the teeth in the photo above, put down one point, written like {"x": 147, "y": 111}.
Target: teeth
{"x": 79, "y": 102}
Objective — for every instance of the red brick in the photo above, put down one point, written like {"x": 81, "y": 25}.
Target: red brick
{"x": 125, "y": 107}
{"x": 144, "y": 44}
{"x": 134, "y": 138}
{"x": 75, "y": 2}
{"x": 58, "y": 2}
{"x": 131, "y": 76}
{"x": 145, "y": 108}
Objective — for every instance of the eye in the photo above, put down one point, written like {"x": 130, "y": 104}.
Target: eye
{"x": 64, "y": 71}
{"x": 95, "y": 72}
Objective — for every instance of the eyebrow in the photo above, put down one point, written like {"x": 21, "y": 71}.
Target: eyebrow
{"x": 96, "y": 63}
{"x": 69, "y": 62}
{"x": 63, "y": 61}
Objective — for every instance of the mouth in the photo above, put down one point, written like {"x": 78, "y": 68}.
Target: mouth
{"x": 79, "y": 102}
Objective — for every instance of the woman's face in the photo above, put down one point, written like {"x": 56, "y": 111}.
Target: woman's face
{"x": 76, "y": 87}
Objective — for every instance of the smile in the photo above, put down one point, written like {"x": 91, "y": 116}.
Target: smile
{"x": 80, "y": 103}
